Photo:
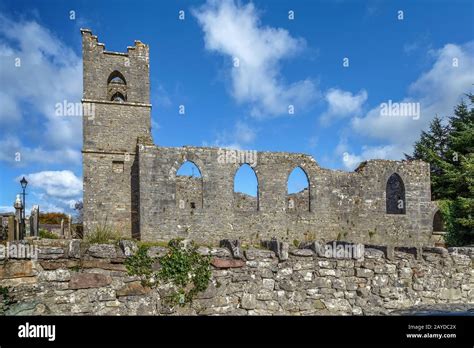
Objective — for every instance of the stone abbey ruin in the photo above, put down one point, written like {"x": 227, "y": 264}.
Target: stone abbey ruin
{"x": 132, "y": 183}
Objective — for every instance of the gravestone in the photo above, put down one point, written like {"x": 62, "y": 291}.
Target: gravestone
{"x": 11, "y": 229}
{"x": 34, "y": 221}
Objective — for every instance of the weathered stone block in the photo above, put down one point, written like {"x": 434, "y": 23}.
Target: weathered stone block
{"x": 268, "y": 284}
{"x": 252, "y": 254}
{"x": 74, "y": 249}
{"x": 337, "y": 305}
{"x": 103, "y": 251}
{"x": 364, "y": 273}
{"x": 302, "y": 252}
{"x": 227, "y": 263}
{"x": 17, "y": 269}
{"x": 133, "y": 289}
{"x": 450, "y": 294}
{"x": 59, "y": 275}
{"x": 102, "y": 264}
{"x": 128, "y": 247}
{"x": 89, "y": 280}
{"x": 249, "y": 301}
{"x": 52, "y": 252}
{"x": 323, "y": 282}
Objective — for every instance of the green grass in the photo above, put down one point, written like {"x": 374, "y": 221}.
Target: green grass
{"x": 103, "y": 234}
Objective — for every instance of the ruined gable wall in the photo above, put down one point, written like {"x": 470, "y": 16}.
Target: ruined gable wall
{"x": 343, "y": 205}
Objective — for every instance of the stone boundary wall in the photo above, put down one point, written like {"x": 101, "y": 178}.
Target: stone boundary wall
{"x": 71, "y": 277}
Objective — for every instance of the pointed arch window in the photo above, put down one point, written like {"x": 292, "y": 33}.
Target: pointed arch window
{"x": 438, "y": 223}
{"x": 298, "y": 195}
{"x": 118, "y": 97}
{"x": 395, "y": 195}
{"x": 246, "y": 189}
{"x": 189, "y": 187}
{"x": 117, "y": 87}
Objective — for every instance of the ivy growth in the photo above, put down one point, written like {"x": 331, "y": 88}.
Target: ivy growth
{"x": 140, "y": 264}
{"x": 5, "y": 299}
{"x": 182, "y": 266}
{"x": 188, "y": 270}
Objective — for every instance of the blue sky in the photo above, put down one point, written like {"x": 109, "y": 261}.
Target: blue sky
{"x": 422, "y": 55}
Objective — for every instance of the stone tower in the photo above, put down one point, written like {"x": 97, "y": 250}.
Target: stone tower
{"x": 117, "y": 111}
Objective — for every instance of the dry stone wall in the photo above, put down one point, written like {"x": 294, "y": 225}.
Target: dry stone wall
{"x": 72, "y": 277}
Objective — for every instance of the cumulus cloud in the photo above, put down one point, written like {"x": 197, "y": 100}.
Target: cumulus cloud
{"x": 235, "y": 31}
{"x": 13, "y": 152}
{"x": 40, "y": 71}
{"x": 351, "y": 160}
{"x": 7, "y": 209}
{"x": 62, "y": 184}
{"x": 243, "y": 133}
{"x": 437, "y": 90}
{"x": 342, "y": 104}
{"x": 240, "y": 137}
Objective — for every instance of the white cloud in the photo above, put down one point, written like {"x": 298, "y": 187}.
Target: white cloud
{"x": 342, "y": 104}
{"x": 235, "y": 31}
{"x": 437, "y": 91}
{"x": 243, "y": 133}
{"x": 13, "y": 152}
{"x": 7, "y": 209}
{"x": 62, "y": 184}
{"x": 239, "y": 138}
{"x": 49, "y": 72}
{"x": 391, "y": 152}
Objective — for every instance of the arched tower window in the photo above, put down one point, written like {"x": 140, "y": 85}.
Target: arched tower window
{"x": 118, "y": 97}
{"x": 117, "y": 87}
{"x": 438, "y": 223}
{"x": 189, "y": 187}
{"x": 245, "y": 189}
{"x": 297, "y": 196}
{"x": 395, "y": 195}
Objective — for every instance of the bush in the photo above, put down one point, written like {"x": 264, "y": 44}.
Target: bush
{"x": 46, "y": 234}
{"x": 52, "y": 218}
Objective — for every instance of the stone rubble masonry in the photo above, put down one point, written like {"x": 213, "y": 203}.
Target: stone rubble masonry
{"x": 72, "y": 277}
{"x": 131, "y": 183}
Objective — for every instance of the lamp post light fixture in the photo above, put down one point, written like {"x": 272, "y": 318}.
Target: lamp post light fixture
{"x": 23, "y": 183}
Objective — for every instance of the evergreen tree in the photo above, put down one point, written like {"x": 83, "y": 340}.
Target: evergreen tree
{"x": 450, "y": 151}
{"x": 432, "y": 148}
{"x": 459, "y": 174}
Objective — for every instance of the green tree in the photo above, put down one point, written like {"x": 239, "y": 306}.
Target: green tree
{"x": 432, "y": 148}
{"x": 450, "y": 151}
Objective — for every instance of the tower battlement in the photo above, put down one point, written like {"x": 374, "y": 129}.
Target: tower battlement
{"x": 139, "y": 48}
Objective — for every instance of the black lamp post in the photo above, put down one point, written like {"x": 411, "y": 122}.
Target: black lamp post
{"x": 23, "y": 183}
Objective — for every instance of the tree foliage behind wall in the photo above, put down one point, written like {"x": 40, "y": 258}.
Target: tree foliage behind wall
{"x": 52, "y": 218}
{"x": 449, "y": 148}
